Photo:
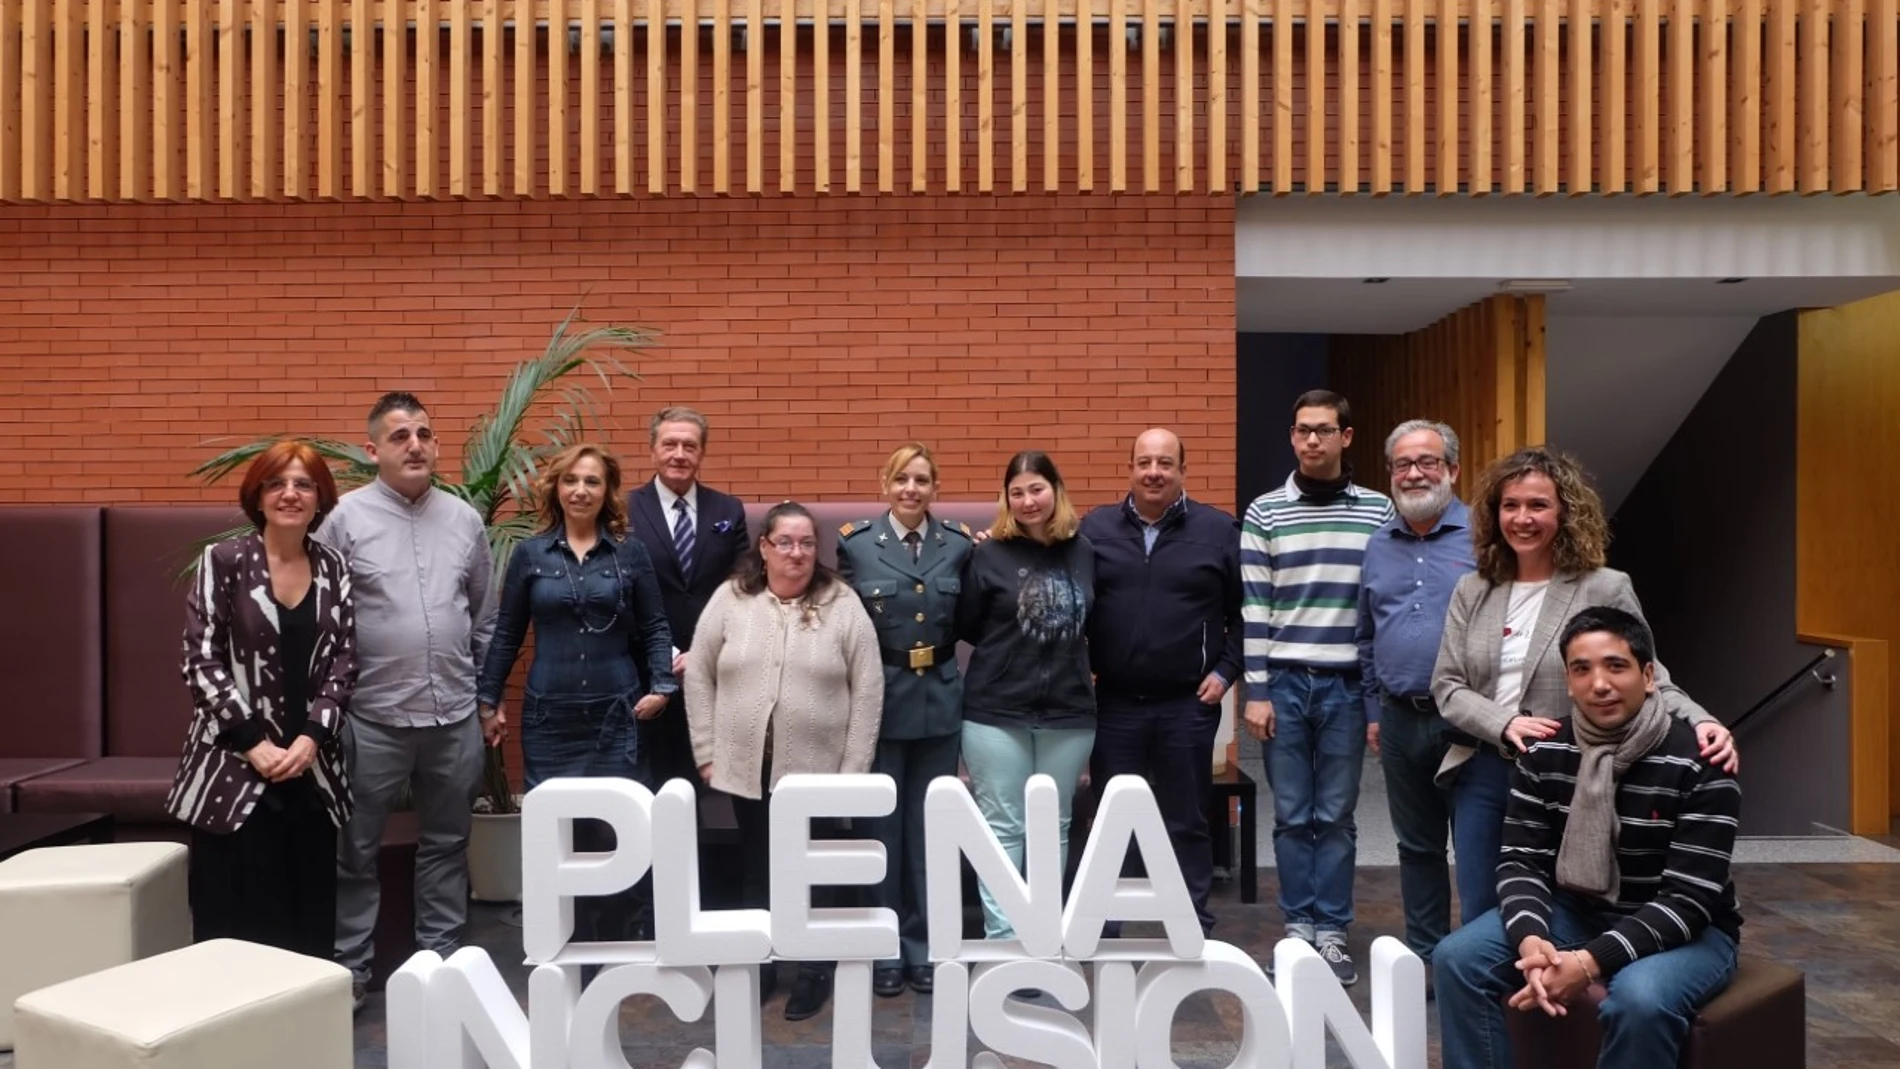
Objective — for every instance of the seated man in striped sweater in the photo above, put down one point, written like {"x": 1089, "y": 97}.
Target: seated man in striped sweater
{"x": 1615, "y": 870}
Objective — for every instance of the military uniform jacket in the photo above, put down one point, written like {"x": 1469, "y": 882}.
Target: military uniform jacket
{"x": 914, "y": 608}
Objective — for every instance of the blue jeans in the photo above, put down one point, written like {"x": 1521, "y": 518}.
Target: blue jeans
{"x": 1478, "y": 797}
{"x": 1651, "y": 1002}
{"x": 1313, "y": 763}
{"x": 1001, "y": 760}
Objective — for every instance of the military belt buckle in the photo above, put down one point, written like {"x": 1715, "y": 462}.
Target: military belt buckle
{"x": 923, "y": 656}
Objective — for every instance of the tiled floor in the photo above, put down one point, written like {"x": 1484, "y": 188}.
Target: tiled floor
{"x": 1838, "y": 922}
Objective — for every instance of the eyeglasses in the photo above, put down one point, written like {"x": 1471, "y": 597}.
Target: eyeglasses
{"x": 787, "y": 545}
{"x": 1425, "y": 465}
{"x": 278, "y": 486}
{"x": 1325, "y": 433}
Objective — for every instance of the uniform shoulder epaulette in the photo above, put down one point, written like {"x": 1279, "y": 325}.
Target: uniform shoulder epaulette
{"x": 960, "y": 528}
{"x": 849, "y": 529}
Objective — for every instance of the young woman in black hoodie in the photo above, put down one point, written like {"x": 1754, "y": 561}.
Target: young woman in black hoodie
{"x": 1028, "y": 698}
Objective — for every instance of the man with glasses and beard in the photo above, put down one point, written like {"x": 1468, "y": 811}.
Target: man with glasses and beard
{"x": 1411, "y": 566}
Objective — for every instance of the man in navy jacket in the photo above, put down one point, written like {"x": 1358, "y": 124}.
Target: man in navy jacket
{"x": 1164, "y": 642}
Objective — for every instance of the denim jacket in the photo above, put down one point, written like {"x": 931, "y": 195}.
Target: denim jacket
{"x": 599, "y": 626}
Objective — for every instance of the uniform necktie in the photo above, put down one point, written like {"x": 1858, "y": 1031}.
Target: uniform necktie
{"x": 683, "y": 538}
{"x": 916, "y": 543}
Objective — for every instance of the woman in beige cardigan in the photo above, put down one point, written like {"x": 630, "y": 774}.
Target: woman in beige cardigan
{"x": 784, "y": 676}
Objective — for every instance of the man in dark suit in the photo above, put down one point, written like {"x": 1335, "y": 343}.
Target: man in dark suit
{"x": 695, "y": 535}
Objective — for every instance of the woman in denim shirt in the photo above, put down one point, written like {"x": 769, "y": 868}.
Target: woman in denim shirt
{"x": 603, "y": 655}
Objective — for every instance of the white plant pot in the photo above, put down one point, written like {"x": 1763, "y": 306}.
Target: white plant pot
{"x": 494, "y": 857}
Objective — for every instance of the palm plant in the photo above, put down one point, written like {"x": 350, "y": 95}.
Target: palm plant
{"x": 541, "y": 412}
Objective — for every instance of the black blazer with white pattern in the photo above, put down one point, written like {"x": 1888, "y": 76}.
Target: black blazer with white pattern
{"x": 235, "y": 671}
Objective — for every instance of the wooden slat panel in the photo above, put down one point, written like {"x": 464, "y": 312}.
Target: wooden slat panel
{"x": 1314, "y": 172}
{"x": 953, "y": 98}
{"x": 1085, "y": 95}
{"x": 1532, "y": 312}
{"x": 1745, "y": 84}
{"x": 1883, "y": 98}
{"x": 395, "y": 98}
{"x": 1648, "y": 177}
{"x": 69, "y": 98}
{"x": 623, "y": 94}
{"x": 590, "y": 89}
{"x": 886, "y": 94}
{"x": 920, "y": 97}
{"x": 296, "y": 99}
{"x": 559, "y": 161}
{"x": 1151, "y": 96}
{"x": 495, "y": 94}
{"x": 1516, "y": 170}
{"x": 200, "y": 61}
{"x": 1812, "y": 150}
{"x": 1118, "y": 97}
{"x": 689, "y": 99}
{"x": 36, "y": 100}
{"x": 1216, "y": 98}
{"x": 1712, "y": 109}
{"x": 821, "y": 108}
{"x": 1779, "y": 96}
{"x": 754, "y": 96}
{"x": 227, "y": 73}
{"x": 1415, "y": 81}
{"x": 461, "y": 60}
{"x": 787, "y": 106}
{"x": 1680, "y": 78}
{"x": 329, "y": 99}
{"x": 528, "y": 97}
{"x": 1848, "y": 105}
{"x": 985, "y": 95}
{"x": 1578, "y": 109}
{"x": 656, "y": 103}
{"x": 1479, "y": 105}
{"x": 1382, "y": 143}
{"x": 362, "y": 96}
{"x": 1613, "y": 172}
{"x": 1019, "y": 99}
{"x": 1446, "y": 78}
{"x": 10, "y": 102}
{"x": 102, "y": 102}
{"x": 1051, "y": 75}
{"x": 721, "y": 96}
{"x": 1183, "y": 99}
{"x": 428, "y": 81}
{"x": 135, "y": 101}
{"x": 1549, "y": 104}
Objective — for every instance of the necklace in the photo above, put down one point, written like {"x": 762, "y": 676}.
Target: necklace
{"x": 579, "y": 601}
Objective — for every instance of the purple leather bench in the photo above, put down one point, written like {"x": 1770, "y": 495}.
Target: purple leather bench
{"x": 146, "y": 707}
{"x": 50, "y": 569}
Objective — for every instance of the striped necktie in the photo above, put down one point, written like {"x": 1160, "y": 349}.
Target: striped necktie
{"x": 683, "y": 538}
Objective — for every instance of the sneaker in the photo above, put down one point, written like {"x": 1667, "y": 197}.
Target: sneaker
{"x": 359, "y": 994}
{"x": 1340, "y": 962}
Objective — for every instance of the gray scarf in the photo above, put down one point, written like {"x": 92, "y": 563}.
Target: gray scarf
{"x": 1586, "y": 860}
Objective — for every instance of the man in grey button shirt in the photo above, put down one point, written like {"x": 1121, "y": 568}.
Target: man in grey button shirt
{"x": 421, "y": 570}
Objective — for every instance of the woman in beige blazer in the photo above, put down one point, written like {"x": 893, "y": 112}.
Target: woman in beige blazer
{"x": 784, "y": 676}
{"x": 1539, "y": 534}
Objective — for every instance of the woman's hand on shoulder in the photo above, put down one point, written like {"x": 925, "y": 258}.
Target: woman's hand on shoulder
{"x": 1718, "y": 746}
{"x": 1525, "y": 729}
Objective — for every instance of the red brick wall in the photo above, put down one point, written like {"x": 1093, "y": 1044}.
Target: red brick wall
{"x": 816, "y": 333}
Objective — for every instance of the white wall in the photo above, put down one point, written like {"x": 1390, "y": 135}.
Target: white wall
{"x": 1619, "y": 386}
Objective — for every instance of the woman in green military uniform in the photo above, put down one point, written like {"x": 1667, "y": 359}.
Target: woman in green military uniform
{"x": 905, "y": 565}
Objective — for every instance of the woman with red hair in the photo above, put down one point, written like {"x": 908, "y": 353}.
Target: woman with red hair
{"x": 270, "y": 657}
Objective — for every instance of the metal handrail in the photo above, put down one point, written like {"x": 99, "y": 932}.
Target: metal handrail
{"x": 1826, "y": 679}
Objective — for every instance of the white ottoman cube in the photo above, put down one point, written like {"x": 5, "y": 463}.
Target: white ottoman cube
{"x": 224, "y": 1004}
{"x": 66, "y": 911}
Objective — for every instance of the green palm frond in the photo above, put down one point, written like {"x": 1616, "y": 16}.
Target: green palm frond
{"x": 541, "y": 410}
{"x": 350, "y": 465}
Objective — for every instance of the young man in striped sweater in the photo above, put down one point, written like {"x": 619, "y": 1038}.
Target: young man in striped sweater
{"x": 1615, "y": 871}
{"x": 1300, "y": 551}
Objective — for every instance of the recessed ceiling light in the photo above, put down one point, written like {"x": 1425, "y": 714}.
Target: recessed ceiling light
{"x": 1729, "y": 281}
{"x": 1374, "y": 281}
